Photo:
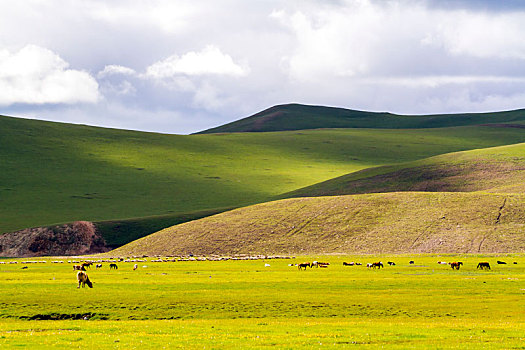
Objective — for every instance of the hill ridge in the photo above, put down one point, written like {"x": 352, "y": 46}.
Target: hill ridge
{"x": 295, "y": 116}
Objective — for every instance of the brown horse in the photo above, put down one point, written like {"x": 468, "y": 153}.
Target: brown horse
{"x": 305, "y": 265}
{"x": 83, "y": 279}
{"x": 377, "y": 264}
{"x": 455, "y": 265}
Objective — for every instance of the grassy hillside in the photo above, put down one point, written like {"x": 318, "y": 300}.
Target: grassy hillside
{"x": 300, "y": 117}
{"x": 407, "y": 222}
{"x": 499, "y": 169}
{"x": 54, "y": 173}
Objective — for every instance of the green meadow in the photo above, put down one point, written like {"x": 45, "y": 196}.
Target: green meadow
{"x": 245, "y": 304}
{"x": 57, "y": 173}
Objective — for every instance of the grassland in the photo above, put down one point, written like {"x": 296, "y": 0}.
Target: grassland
{"x": 498, "y": 170}
{"x": 55, "y": 173}
{"x": 400, "y": 222}
{"x": 302, "y": 117}
{"x": 243, "y": 304}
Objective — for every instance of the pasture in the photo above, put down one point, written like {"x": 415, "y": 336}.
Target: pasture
{"x": 245, "y": 304}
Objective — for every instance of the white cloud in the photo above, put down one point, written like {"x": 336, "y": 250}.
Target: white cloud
{"x": 114, "y": 69}
{"x": 209, "y": 61}
{"x": 35, "y": 75}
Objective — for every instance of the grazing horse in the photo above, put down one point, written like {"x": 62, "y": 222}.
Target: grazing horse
{"x": 306, "y": 264}
{"x": 86, "y": 264}
{"x": 79, "y": 268}
{"x": 348, "y": 264}
{"x": 484, "y": 265}
{"x": 113, "y": 266}
{"x": 377, "y": 264}
{"x": 455, "y": 265}
{"x": 83, "y": 279}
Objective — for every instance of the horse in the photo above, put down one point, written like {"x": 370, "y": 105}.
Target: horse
{"x": 86, "y": 264}
{"x": 377, "y": 264}
{"x": 113, "y": 266}
{"x": 306, "y": 264}
{"x": 455, "y": 265}
{"x": 484, "y": 265}
{"x": 83, "y": 279}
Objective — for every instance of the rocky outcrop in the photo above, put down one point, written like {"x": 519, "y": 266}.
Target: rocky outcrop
{"x": 78, "y": 238}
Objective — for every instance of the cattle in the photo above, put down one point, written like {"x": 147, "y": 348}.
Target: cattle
{"x": 411, "y": 262}
{"x": 455, "y": 265}
{"x": 79, "y": 268}
{"x": 442, "y": 263}
{"x": 484, "y": 265}
{"x": 98, "y": 266}
{"x": 113, "y": 266}
{"x": 304, "y": 265}
{"x": 83, "y": 279}
{"x": 135, "y": 267}
{"x": 86, "y": 264}
{"x": 391, "y": 263}
{"x": 368, "y": 265}
{"x": 348, "y": 264}
{"x": 501, "y": 262}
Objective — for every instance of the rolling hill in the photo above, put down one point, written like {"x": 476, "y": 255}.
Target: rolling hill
{"x": 456, "y": 213}
{"x": 302, "y": 117}
{"x": 409, "y": 222}
{"x": 499, "y": 170}
{"x": 55, "y": 173}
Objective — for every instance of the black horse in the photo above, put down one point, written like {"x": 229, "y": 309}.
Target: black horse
{"x": 484, "y": 266}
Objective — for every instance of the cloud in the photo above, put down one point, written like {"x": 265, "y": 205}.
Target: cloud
{"x": 209, "y": 61}
{"x": 114, "y": 69}
{"x": 35, "y": 75}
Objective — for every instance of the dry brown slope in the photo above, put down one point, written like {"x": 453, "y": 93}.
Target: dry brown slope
{"x": 497, "y": 169}
{"x": 408, "y": 222}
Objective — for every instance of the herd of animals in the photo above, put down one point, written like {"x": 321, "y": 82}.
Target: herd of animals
{"x": 484, "y": 265}
{"x": 83, "y": 278}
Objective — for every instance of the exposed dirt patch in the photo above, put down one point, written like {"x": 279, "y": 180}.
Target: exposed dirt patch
{"x": 80, "y": 237}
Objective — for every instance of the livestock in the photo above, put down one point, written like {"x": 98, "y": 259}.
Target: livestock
{"x": 83, "y": 279}
{"x": 377, "y": 264}
{"x": 86, "y": 264}
{"x": 348, "y": 264}
{"x": 455, "y": 265}
{"x": 135, "y": 267}
{"x": 411, "y": 262}
{"x": 98, "y": 266}
{"x": 79, "y": 268}
{"x": 368, "y": 265}
{"x": 442, "y": 262}
{"x": 320, "y": 264}
{"x": 304, "y": 265}
{"x": 501, "y": 262}
{"x": 391, "y": 263}
{"x": 484, "y": 265}
{"x": 113, "y": 266}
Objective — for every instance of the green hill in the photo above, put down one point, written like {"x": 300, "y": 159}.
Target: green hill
{"x": 499, "y": 169}
{"x": 54, "y": 173}
{"x": 407, "y": 222}
{"x": 302, "y": 117}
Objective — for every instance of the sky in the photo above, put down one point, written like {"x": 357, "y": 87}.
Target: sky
{"x": 181, "y": 66}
